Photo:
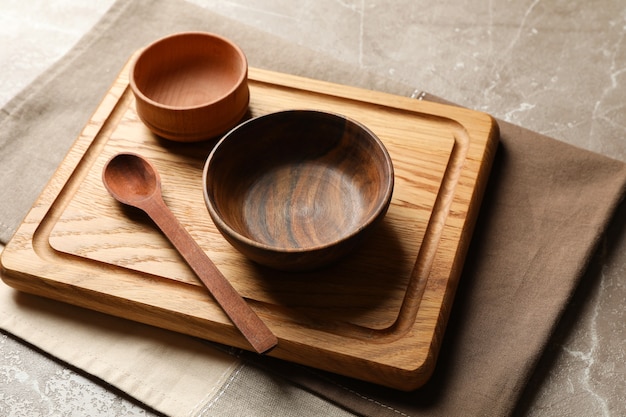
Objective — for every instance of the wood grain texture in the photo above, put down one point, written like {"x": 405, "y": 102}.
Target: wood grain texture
{"x": 190, "y": 86}
{"x": 133, "y": 180}
{"x": 298, "y": 190}
{"x": 379, "y": 315}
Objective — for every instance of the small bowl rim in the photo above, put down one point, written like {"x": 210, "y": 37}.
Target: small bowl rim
{"x": 382, "y": 205}
{"x": 242, "y": 77}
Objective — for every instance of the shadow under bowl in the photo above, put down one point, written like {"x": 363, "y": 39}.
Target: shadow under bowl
{"x": 297, "y": 190}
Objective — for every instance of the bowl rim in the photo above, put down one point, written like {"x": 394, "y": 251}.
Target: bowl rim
{"x": 381, "y": 208}
{"x": 240, "y": 80}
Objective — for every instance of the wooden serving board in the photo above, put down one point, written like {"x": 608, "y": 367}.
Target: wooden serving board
{"x": 378, "y": 315}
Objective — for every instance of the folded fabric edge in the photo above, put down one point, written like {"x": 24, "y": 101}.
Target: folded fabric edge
{"x": 599, "y": 252}
{"x": 312, "y": 388}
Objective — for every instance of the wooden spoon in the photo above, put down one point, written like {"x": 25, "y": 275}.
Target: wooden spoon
{"x": 134, "y": 181}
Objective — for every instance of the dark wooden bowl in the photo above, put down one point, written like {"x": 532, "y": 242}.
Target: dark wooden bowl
{"x": 297, "y": 190}
{"x": 190, "y": 86}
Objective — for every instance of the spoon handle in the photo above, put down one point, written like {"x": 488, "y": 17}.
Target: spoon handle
{"x": 245, "y": 319}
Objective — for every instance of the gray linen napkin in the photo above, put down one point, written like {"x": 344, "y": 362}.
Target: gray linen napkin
{"x": 544, "y": 213}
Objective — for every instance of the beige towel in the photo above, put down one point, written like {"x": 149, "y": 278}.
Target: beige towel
{"x": 544, "y": 213}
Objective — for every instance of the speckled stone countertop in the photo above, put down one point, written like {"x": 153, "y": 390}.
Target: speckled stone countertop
{"x": 556, "y": 67}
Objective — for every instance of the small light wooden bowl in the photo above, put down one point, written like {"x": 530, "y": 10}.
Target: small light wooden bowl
{"x": 190, "y": 86}
{"x": 297, "y": 190}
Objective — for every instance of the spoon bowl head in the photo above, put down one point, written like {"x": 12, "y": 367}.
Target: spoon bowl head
{"x": 131, "y": 179}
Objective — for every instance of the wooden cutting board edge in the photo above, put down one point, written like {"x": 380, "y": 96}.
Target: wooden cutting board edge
{"x": 27, "y": 263}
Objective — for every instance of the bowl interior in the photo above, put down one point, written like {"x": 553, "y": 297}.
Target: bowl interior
{"x": 189, "y": 70}
{"x": 297, "y": 180}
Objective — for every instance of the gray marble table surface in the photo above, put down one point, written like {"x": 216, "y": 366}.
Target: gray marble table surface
{"x": 554, "y": 66}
